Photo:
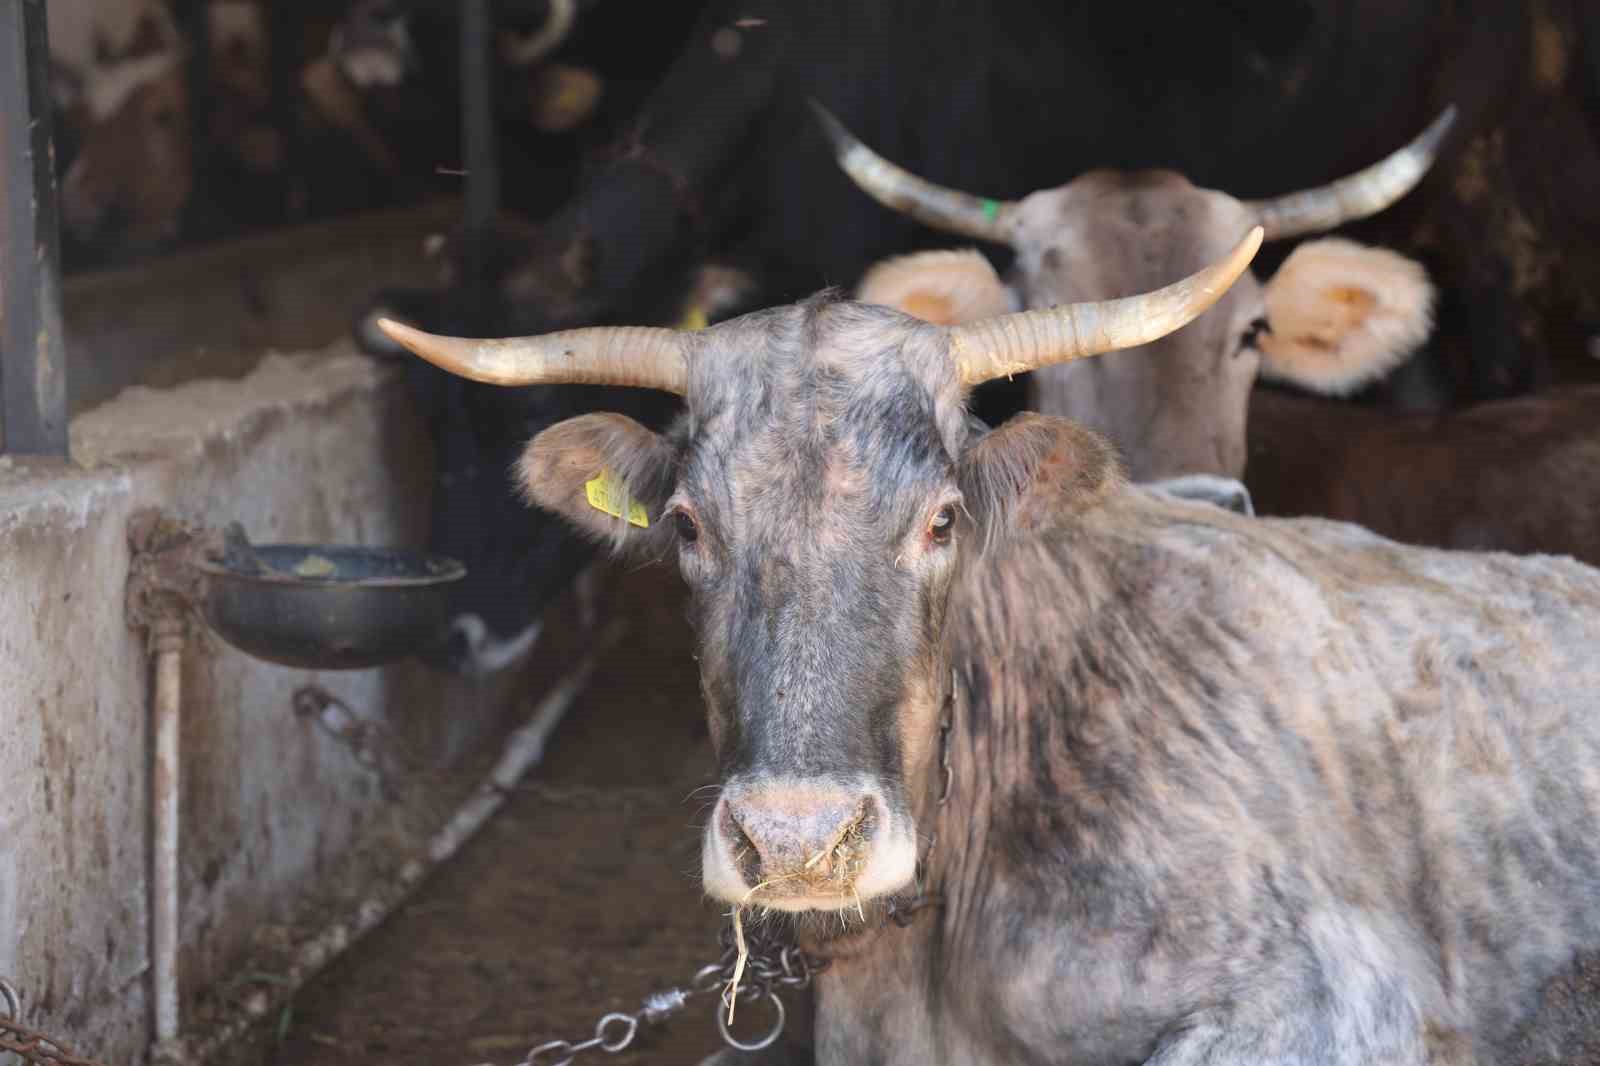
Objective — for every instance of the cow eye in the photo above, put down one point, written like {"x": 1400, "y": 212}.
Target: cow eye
{"x": 941, "y": 524}
{"x": 688, "y": 531}
{"x": 1252, "y": 335}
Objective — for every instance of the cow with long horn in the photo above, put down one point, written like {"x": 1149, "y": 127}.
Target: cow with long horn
{"x": 1335, "y": 316}
{"x": 1138, "y": 780}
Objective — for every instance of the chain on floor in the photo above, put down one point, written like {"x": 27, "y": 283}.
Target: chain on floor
{"x": 31, "y": 1046}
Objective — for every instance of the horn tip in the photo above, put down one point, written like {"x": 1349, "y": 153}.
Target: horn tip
{"x": 841, "y": 138}
{"x": 1429, "y": 141}
{"x": 417, "y": 342}
{"x": 399, "y": 332}
{"x": 1246, "y": 250}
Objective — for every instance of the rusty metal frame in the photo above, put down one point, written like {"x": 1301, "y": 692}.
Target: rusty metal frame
{"x": 33, "y": 385}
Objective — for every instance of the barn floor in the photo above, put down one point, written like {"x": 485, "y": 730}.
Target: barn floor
{"x": 582, "y": 896}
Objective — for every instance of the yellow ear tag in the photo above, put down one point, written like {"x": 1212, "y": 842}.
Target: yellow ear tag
{"x": 606, "y": 494}
{"x": 694, "y": 318}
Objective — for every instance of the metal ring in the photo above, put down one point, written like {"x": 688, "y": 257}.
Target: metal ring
{"x": 621, "y": 1042}
{"x": 13, "y": 1001}
{"x": 758, "y": 1045}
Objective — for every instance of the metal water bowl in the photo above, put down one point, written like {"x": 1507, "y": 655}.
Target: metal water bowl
{"x": 328, "y": 607}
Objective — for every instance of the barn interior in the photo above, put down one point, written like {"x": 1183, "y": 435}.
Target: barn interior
{"x": 230, "y": 847}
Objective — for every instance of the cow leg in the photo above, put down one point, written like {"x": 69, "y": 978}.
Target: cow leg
{"x": 1352, "y": 1037}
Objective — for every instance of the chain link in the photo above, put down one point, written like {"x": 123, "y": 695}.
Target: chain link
{"x": 31, "y": 1046}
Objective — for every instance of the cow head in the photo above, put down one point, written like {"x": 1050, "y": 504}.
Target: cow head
{"x": 820, "y": 494}
{"x": 1334, "y": 317}
{"x": 132, "y": 174}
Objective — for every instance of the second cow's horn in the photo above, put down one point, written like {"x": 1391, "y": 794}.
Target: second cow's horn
{"x": 1013, "y": 344}
{"x": 900, "y": 190}
{"x": 1366, "y": 192}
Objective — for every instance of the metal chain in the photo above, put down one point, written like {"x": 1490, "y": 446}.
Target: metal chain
{"x": 367, "y": 740}
{"x": 32, "y": 1047}
{"x": 770, "y": 966}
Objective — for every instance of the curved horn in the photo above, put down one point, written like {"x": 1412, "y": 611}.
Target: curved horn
{"x": 1011, "y": 344}
{"x": 644, "y": 356}
{"x": 1366, "y": 192}
{"x": 520, "y": 51}
{"x": 902, "y": 191}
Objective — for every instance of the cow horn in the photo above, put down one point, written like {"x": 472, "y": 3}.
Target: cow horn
{"x": 900, "y": 190}
{"x": 1366, "y": 192}
{"x": 644, "y": 356}
{"x": 1012, "y": 344}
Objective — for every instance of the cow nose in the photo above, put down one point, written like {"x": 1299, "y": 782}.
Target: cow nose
{"x": 799, "y": 840}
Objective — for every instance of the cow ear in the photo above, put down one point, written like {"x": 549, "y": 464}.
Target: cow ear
{"x": 942, "y": 287}
{"x": 1034, "y": 472}
{"x": 1341, "y": 315}
{"x": 607, "y": 475}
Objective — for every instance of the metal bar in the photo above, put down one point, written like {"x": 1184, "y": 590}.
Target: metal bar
{"x": 283, "y": 42}
{"x": 478, "y": 136}
{"x": 194, "y": 18}
{"x": 33, "y": 386}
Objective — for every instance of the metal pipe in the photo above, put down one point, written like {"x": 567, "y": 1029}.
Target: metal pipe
{"x": 33, "y": 386}
{"x": 167, "y": 643}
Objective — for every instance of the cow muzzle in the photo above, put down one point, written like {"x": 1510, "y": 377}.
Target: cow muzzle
{"x": 801, "y": 845}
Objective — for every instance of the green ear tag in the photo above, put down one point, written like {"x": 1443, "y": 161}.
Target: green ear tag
{"x": 991, "y": 209}
{"x": 606, "y": 494}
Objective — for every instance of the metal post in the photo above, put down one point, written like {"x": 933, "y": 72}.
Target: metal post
{"x": 283, "y": 39}
{"x": 194, "y": 20}
{"x": 33, "y": 386}
{"x": 478, "y": 135}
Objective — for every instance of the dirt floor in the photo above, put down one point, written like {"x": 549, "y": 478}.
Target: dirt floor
{"x": 582, "y": 895}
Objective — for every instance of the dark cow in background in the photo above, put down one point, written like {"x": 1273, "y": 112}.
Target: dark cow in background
{"x": 1335, "y": 316}
{"x": 1220, "y": 791}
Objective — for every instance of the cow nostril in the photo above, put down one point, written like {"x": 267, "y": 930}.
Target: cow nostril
{"x": 746, "y": 856}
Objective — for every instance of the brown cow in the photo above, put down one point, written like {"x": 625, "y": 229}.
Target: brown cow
{"x": 1219, "y": 791}
{"x": 123, "y": 88}
{"x": 1504, "y": 476}
{"x": 1335, "y": 316}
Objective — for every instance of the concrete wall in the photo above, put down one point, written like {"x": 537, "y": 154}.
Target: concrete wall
{"x": 278, "y": 821}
